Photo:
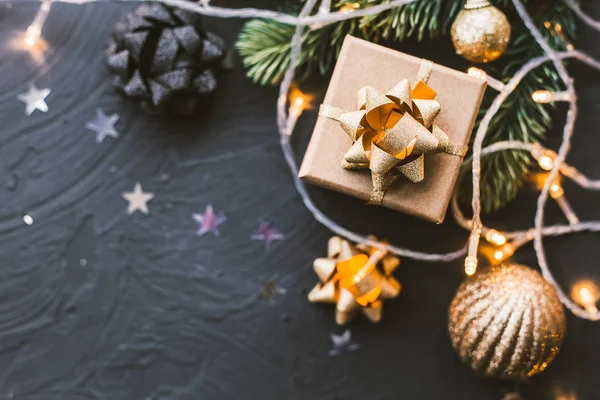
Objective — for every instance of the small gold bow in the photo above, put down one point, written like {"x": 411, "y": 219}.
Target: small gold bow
{"x": 392, "y": 132}
{"x": 356, "y": 279}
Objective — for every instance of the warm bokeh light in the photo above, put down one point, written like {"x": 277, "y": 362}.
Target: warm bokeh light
{"x": 32, "y": 35}
{"x": 296, "y": 106}
{"x": 499, "y": 255}
{"x": 586, "y": 293}
{"x": 565, "y": 396}
{"x": 559, "y": 31}
{"x": 541, "y": 96}
{"x": 299, "y": 102}
{"x": 556, "y": 190}
{"x": 504, "y": 252}
{"x": 31, "y": 40}
{"x": 539, "y": 180}
{"x": 37, "y": 49}
{"x": 558, "y": 28}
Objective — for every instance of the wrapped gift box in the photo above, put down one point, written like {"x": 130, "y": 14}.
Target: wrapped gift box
{"x": 361, "y": 64}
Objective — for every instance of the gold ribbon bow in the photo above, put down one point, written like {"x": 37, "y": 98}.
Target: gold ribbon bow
{"x": 356, "y": 279}
{"x": 392, "y": 132}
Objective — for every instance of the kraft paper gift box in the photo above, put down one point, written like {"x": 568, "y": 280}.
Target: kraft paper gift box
{"x": 361, "y": 64}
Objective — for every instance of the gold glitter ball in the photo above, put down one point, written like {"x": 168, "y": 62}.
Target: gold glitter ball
{"x": 506, "y": 322}
{"x": 480, "y": 32}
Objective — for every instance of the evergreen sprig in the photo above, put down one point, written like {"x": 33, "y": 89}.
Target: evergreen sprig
{"x": 265, "y": 45}
{"x": 520, "y": 118}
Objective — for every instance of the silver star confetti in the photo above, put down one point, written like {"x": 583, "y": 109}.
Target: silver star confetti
{"x": 103, "y": 125}
{"x": 267, "y": 232}
{"x": 34, "y": 99}
{"x": 138, "y": 199}
{"x": 342, "y": 344}
{"x": 209, "y": 221}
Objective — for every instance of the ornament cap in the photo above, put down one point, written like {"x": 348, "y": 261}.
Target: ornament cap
{"x": 475, "y": 4}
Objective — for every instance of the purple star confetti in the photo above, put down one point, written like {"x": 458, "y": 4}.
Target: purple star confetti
{"x": 267, "y": 232}
{"x": 209, "y": 221}
{"x": 342, "y": 344}
{"x": 103, "y": 125}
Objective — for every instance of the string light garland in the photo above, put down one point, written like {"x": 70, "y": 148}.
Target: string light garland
{"x": 286, "y": 118}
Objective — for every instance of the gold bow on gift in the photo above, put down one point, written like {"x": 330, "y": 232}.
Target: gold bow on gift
{"x": 392, "y": 132}
{"x": 356, "y": 279}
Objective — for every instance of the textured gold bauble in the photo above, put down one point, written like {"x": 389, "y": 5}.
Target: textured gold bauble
{"x": 506, "y": 322}
{"x": 480, "y": 32}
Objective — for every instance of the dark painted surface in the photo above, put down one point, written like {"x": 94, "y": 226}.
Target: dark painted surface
{"x": 96, "y": 304}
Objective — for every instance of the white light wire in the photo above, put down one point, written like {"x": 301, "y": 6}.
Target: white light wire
{"x": 221, "y": 12}
{"x": 560, "y": 158}
{"x": 584, "y": 17}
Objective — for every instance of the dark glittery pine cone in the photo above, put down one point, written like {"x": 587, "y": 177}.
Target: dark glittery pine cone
{"x": 162, "y": 57}
{"x": 507, "y": 322}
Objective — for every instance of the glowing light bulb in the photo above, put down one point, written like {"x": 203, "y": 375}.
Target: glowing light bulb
{"x": 495, "y": 237}
{"x": 27, "y": 219}
{"x": 470, "y": 265}
{"x": 556, "y": 190}
{"x": 541, "y": 96}
{"x": 477, "y": 73}
{"x": 546, "y": 96}
{"x": 32, "y": 34}
{"x": 349, "y": 7}
{"x": 297, "y": 105}
{"x": 586, "y": 293}
{"x": 34, "y": 31}
{"x": 546, "y": 162}
{"x": 504, "y": 252}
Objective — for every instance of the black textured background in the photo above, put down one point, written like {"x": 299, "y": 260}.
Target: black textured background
{"x": 158, "y": 313}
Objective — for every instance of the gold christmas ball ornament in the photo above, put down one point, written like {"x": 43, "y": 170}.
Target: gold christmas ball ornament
{"x": 506, "y": 322}
{"x": 480, "y": 32}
